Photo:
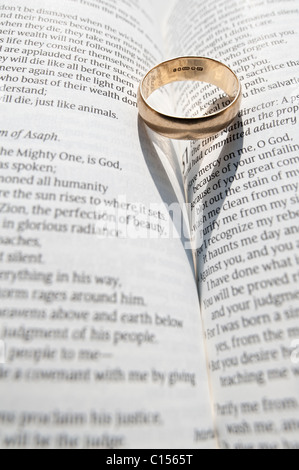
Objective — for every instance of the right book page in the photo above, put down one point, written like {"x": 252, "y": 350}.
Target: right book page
{"x": 244, "y": 185}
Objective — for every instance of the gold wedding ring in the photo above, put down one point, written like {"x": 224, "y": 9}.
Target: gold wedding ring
{"x": 196, "y": 69}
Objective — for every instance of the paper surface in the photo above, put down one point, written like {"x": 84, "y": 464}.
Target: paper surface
{"x": 244, "y": 184}
{"x": 99, "y": 309}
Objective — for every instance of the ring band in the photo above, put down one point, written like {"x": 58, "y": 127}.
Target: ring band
{"x": 196, "y": 69}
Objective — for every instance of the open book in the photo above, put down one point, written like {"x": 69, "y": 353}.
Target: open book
{"x": 114, "y": 333}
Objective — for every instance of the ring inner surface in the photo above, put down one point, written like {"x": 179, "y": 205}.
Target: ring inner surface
{"x": 195, "y": 69}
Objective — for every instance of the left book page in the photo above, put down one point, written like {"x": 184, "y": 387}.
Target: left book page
{"x": 100, "y": 334}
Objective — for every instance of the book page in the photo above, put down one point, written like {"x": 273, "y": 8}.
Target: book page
{"x": 244, "y": 185}
{"x": 99, "y": 317}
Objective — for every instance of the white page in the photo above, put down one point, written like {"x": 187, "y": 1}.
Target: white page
{"x": 102, "y": 335}
{"x": 245, "y": 184}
